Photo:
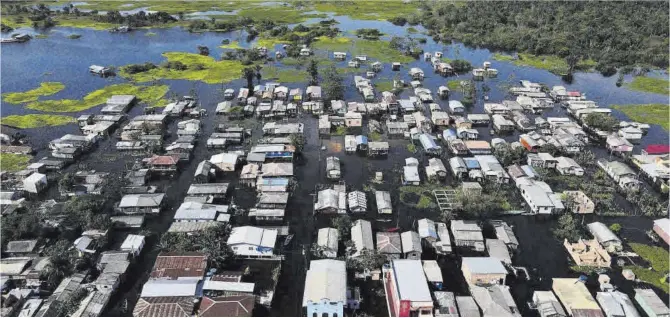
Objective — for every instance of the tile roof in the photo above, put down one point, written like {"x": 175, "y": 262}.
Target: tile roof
{"x": 175, "y": 265}
{"x": 164, "y": 307}
{"x": 227, "y": 306}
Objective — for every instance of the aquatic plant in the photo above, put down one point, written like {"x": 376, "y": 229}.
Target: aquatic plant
{"x": 551, "y": 63}
{"x": 384, "y": 86}
{"x": 150, "y": 34}
{"x": 654, "y": 114}
{"x": 231, "y": 45}
{"x": 650, "y": 85}
{"x": 148, "y": 94}
{"x": 284, "y": 75}
{"x": 36, "y": 120}
{"x": 503, "y": 57}
{"x": 375, "y": 136}
{"x": 658, "y": 258}
{"x": 13, "y": 162}
{"x": 198, "y": 68}
{"x": 45, "y": 89}
{"x": 379, "y": 50}
{"x": 369, "y": 10}
{"x": 74, "y": 36}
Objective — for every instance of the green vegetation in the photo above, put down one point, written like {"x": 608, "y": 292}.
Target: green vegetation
{"x": 655, "y": 114}
{"x": 36, "y": 120}
{"x": 658, "y": 257}
{"x": 284, "y": 75}
{"x": 340, "y": 131}
{"x": 41, "y": 36}
{"x": 650, "y": 85}
{"x": 616, "y": 228}
{"x": 369, "y": 34}
{"x": 45, "y": 89}
{"x": 150, "y": 34}
{"x": 412, "y": 30}
{"x": 74, "y": 36}
{"x": 384, "y": 86}
{"x": 423, "y": 192}
{"x": 584, "y": 269}
{"x": 551, "y": 63}
{"x": 380, "y": 50}
{"x": 567, "y": 228}
{"x": 601, "y": 121}
{"x": 211, "y": 241}
{"x": 375, "y": 136}
{"x": 148, "y": 94}
{"x": 368, "y": 10}
{"x": 565, "y": 31}
{"x": 411, "y": 147}
{"x": 197, "y": 68}
{"x": 13, "y": 162}
{"x": 233, "y": 45}
{"x": 502, "y": 57}
{"x": 454, "y": 85}
{"x": 278, "y": 14}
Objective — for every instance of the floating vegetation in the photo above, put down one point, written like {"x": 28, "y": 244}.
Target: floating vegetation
{"x": 150, "y": 34}
{"x": 41, "y": 36}
{"x": 45, "y": 89}
{"x": 551, "y": 63}
{"x": 278, "y": 14}
{"x": 369, "y": 10}
{"x": 379, "y": 50}
{"x": 233, "y": 45}
{"x": 411, "y": 147}
{"x": 654, "y": 114}
{"x": 197, "y": 68}
{"x": 36, "y": 120}
{"x": 454, "y": 85}
{"x": 420, "y": 197}
{"x": 503, "y": 57}
{"x": 658, "y": 258}
{"x": 412, "y": 30}
{"x": 650, "y": 85}
{"x": 340, "y": 131}
{"x": 384, "y": 86}
{"x": 284, "y": 75}
{"x": 148, "y": 94}
{"x": 13, "y": 162}
{"x": 74, "y": 36}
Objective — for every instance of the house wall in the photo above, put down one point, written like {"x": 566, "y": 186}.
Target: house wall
{"x": 665, "y": 236}
{"x": 325, "y": 308}
{"x": 413, "y": 255}
{"x": 475, "y": 278}
{"x": 250, "y": 250}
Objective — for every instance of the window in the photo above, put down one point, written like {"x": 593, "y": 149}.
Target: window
{"x": 235, "y": 248}
{"x": 325, "y": 314}
{"x": 251, "y": 248}
{"x": 335, "y": 314}
{"x": 315, "y": 315}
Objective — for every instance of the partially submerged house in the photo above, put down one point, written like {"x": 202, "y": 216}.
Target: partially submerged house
{"x": 605, "y": 237}
{"x": 361, "y": 235}
{"x": 467, "y": 234}
{"x": 383, "y": 200}
{"x": 405, "y": 283}
{"x": 325, "y": 288}
{"x": 147, "y": 203}
{"x": 483, "y": 271}
{"x": 411, "y": 245}
{"x": 576, "y": 298}
{"x": 252, "y": 242}
{"x": 328, "y": 241}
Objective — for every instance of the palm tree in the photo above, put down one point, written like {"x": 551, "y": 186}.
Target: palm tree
{"x": 249, "y": 73}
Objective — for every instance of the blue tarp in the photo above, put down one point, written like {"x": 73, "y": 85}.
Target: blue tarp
{"x": 472, "y": 163}
{"x": 449, "y": 133}
{"x": 361, "y": 140}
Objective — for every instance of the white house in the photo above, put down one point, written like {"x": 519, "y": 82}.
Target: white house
{"x": 361, "y": 235}
{"x": 35, "y": 183}
{"x": 250, "y": 241}
{"x": 568, "y": 166}
{"x": 327, "y": 240}
{"x": 133, "y": 244}
{"x": 325, "y": 288}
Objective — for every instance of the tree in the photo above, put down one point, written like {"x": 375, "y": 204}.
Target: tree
{"x": 298, "y": 141}
{"x": 333, "y": 84}
{"x": 601, "y": 121}
{"x": 586, "y": 158}
{"x": 461, "y": 66}
{"x": 259, "y": 76}
{"x": 343, "y": 225}
{"x": 61, "y": 263}
{"x": 313, "y": 72}
{"x": 616, "y": 228}
{"x": 203, "y": 50}
{"x": 249, "y": 73}
{"x": 567, "y": 228}
{"x": 211, "y": 241}
{"x": 508, "y": 155}
{"x": 367, "y": 259}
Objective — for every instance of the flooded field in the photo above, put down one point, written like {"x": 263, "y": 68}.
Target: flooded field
{"x": 59, "y": 59}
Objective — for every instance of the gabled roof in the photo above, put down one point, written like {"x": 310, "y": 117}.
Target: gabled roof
{"x": 25, "y": 246}
{"x": 411, "y": 242}
{"x": 227, "y": 306}
{"x": 389, "y": 243}
{"x": 164, "y": 307}
{"x": 326, "y": 279}
{"x": 253, "y": 236}
{"x": 176, "y": 265}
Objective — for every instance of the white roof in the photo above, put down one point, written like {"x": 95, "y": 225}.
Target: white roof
{"x": 663, "y": 224}
{"x": 227, "y": 158}
{"x": 361, "y": 235}
{"x": 132, "y": 242}
{"x": 141, "y": 200}
{"x": 35, "y": 178}
{"x": 328, "y": 237}
{"x": 432, "y": 271}
{"x": 326, "y": 279}
{"x": 411, "y": 280}
{"x": 253, "y": 236}
{"x": 484, "y": 265}
{"x": 168, "y": 288}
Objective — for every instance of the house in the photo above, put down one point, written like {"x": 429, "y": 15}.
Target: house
{"x": 211, "y": 191}
{"x": 539, "y": 197}
{"x": 272, "y": 200}
{"x": 458, "y": 167}
{"x": 141, "y": 203}
{"x": 353, "y": 119}
{"x": 162, "y": 164}
{"x": 389, "y": 244}
{"x": 632, "y": 134}
{"x": 498, "y": 249}
{"x": 328, "y": 241}
{"x": 616, "y": 304}
{"x": 427, "y": 230}
{"x": 456, "y": 107}
{"x": 179, "y": 266}
{"x": 568, "y": 166}
{"x": 313, "y": 93}
{"x": 483, "y": 270}
{"x": 242, "y": 96}
{"x": 133, "y": 244}
{"x": 478, "y": 147}
{"x": 433, "y": 273}
{"x": 361, "y": 235}
{"x": 467, "y": 133}
{"x": 22, "y": 248}
{"x": 325, "y": 288}
{"x": 333, "y": 169}
{"x": 172, "y": 298}
{"x": 229, "y": 306}
{"x": 467, "y": 306}
{"x": 100, "y": 70}
{"x": 436, "y": 169}
{"x": 411, "y": 175}
{"x": 605, "y": 237}
{"x": 340, "y": 55}
{"x": 446, "y": 304}
{"x": 467, "y": 234}
{"x": 249, "y": 174}
{"x": 118, "y": 104}
{"x": 505, "y": 233}
{"x": 411, "y": 245}
{"x": 576, "y": 298}
{"x": 190, "y": 211}
{"x": 662, "y": 228}
{"x": 625, "y": 177}
{"x": 495, "y": 301}
{"x": 250, "y": 241}
{"x": 650, "y": 303}
{"x": 226, "y": 162}
{"x": 618, "y": 144}
{"x": 502, "y": 124}
{"x": 331, "y": 201}
{"x": 378, "y": 148}
{"x": 357, "y": 202}
{"x": 547, "y": 304}
{"x": 578, "y": 202}
{"x": 35, "y": 183}
{"x": 429, "y": 145}
{"x": 406, "y": 289}
{"x": 397, "y": 128}
{"x": 492, "y": 169}
{"x": 416, "y": 73}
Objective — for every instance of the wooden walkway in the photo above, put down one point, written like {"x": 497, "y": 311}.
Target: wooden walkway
{"x": 446, "y": 200}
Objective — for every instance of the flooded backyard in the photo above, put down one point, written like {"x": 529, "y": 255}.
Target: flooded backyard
{"x": 58, "y": 58}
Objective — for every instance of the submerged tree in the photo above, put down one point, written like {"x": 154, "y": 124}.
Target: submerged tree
{"x": 313, "y": 72}
{"x": 248, "y": 73}
{"x": 333, "y": 84}
{"x": 567, "y": 228}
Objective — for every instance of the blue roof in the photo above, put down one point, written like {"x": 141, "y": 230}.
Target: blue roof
{"x": 472, "y": 163}
{"x": 275, "y": 181}
{"x": 360, "y": 139}
{"x": 528, "y": 170}
{"x": 449, "y": 133}
{"x": 427, "y": 142}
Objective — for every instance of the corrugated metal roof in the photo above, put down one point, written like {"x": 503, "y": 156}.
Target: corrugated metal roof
{"x": 326, "y": 279}
{"x": 411, "y": 280}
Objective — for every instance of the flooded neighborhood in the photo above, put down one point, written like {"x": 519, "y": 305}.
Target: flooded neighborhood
{"x": 335, "y": 158}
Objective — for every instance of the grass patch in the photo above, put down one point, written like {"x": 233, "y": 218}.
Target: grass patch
{"x": 150, "y": 34}
{"x": 148, "y": 94}
{"x": 172, "y": 7}
{"x": 551, "y": 63}
{"x": 369, "y": 10}
{"x": 384, "y": 86}
{"x": 41, "y": 36}
{"x": 454, "y": 85}
{"x": 83, "y": 22}
{"x": 424, "y": 193}
{"x": 74, "y": 36}
{"x": 502, "y": 57}
{"x": 13, "y": 162}
{"x": 654, "y": 114}
{"x": 233, "y": 45}
{"x": 36, "y": 120}
{"x": 283, "y": 75}
{"x": 199, "y": 68}
{"x": 411, "y": 147}
{"x": 650, "y": 85}
{"x": 584, "y": 269}
{"x": 278, "y": 14}
{"x": 45, "y": 89}
{"x": 660, "y": 265}
{"x": 376, "y": 49}
{"x": 340, "y": 131}
{"x": 375, "y": 136}
{"x": 412, "y": 30}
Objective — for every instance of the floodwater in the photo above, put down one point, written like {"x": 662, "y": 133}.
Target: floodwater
{"x": 60, "y": 59}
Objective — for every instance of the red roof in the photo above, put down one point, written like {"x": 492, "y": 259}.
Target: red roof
{"x": 175, "y": 265}
{"x": 574, "y": 94}
{"x": 227, "y": 306}
{"x": 657, "y": 149}
{"x": 163, "y": 160}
